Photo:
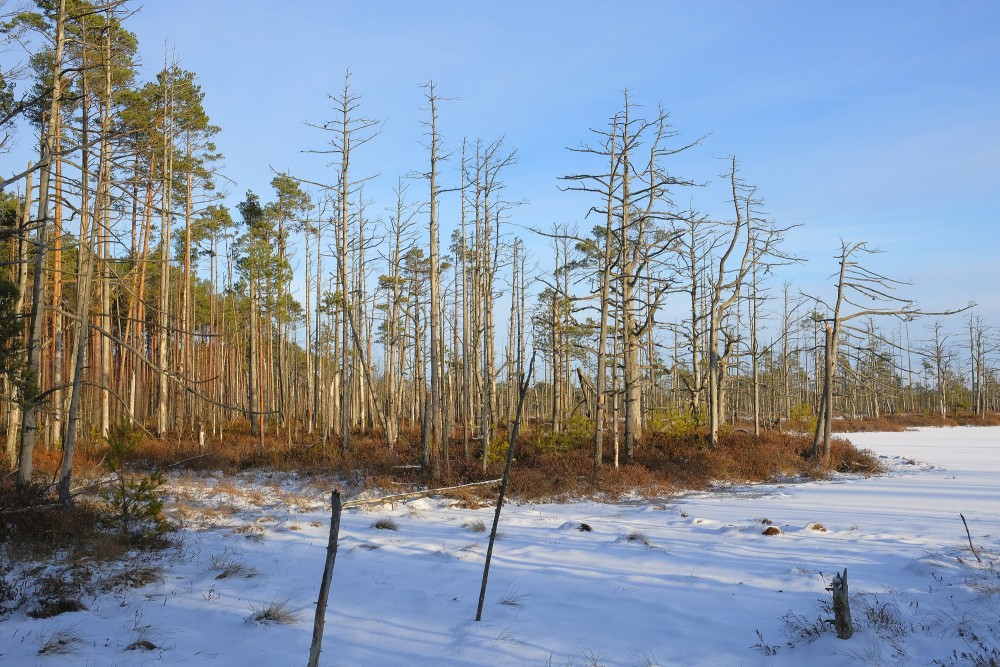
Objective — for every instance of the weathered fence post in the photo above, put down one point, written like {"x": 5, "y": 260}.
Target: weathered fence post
{"x": 969, "y": 535}
{"x": 841, "y": 606}
{"x": 503, "y": 484}
{"x": 324, "y": 588}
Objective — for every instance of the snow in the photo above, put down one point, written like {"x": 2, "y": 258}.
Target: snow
{"x": 689, "y": 580}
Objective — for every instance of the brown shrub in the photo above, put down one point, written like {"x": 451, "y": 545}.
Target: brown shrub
{"x": 771, "y": 530}
{"x": 903, "y": 421}
{"x": 845, "y": 457}
{"x": 547, "y": 465}
{"x": 883, "y": 423}
{"x": 54, "y": 551}
{"x": 49, "y": 607}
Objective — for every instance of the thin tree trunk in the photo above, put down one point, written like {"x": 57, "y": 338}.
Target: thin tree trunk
{"x": 32, "y": 397}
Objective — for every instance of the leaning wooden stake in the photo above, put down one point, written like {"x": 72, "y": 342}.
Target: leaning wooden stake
{"x": 969, "y": 535}
{"x": 324, "y": 588}
{"x": 841, "y": 607}
{"x": 503, "y": 483}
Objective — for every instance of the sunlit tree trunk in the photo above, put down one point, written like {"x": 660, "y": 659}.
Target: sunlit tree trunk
{"x": 32, "y": 397}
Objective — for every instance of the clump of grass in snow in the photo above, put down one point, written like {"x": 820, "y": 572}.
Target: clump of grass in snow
{"x": 133, "y": 577}
{"x": 508, "y": 636}
{"x": 764, "y": 647}
{"x": 144, "y": 641}
{"x": 800, "y": 627}
{"x": 475, "y": 525}
{"x": 63, "y": 641}
{"x": 385, "y": 524}
{"x": 49, "y": 607}
{"x": 883, "y": 616}
{"x": 771, "y": 530}
{"x": 141, "y": 645}
{"x": 817, "y": 527}
{"x": 636, "y": 536}
{"x": 251, "y": 531}
{"x": 233, "y": 568}
{"x": 275, "y": 611}
{"x": 512, "y": 599}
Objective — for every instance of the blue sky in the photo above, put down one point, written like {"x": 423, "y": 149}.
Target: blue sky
{"x": 857, "y": 120}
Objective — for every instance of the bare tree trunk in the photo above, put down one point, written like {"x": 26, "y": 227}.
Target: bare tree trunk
{"x": 88, "y": 239}
{"x": 14, "y": 409}
{"x": 466, "y": 356}
{"x": 32, "y": 396}
{"x": 166, "y": 211}
{"x": 435, "y": 296}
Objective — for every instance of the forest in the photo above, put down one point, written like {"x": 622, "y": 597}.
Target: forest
{"x": 298, "y": 319}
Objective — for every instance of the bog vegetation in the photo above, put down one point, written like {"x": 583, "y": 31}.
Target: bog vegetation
{"x": 146, "y": 323}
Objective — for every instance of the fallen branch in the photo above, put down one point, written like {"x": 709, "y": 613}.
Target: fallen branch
{"x": 193, "y": 458}
{"x": 412, "y": 494}
{"x": 19, "y": 510}
{"x": 48, "y": 506}
{"x": 969, "y": 535}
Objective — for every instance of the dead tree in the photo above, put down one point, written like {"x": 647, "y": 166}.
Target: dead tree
{"x": 856, "y": 285}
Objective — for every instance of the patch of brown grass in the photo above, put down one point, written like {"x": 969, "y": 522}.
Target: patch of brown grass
{"x": 903, "y": 421}
{"x": 547, "y": 465}
{"x": 133, "y": 577}
{"x": 49, "y": 607}
{"x": 884, "y": 423}
{"x": 59, "y": 554}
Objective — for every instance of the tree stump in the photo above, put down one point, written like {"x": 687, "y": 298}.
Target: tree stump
{"x": 841, "y": 606}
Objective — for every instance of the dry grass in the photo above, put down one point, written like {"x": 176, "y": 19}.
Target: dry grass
{"x": 385, "y": 524}
{"x": 475, "y": 526}
{"x": 251, "y": 531}
{"x": 904, "y": 421}
{"x": 548, "y": 467}
{"x": 513, "y": 599}
{"x": 228, "y": 567}
{"x": 64, "y": 642}
{"x": 141, "y": 644}
{"x": 638, "y": 538}
{"x": 134, "y": 577}
{"x": 54, "y": 556}
{"x": 49, "y": 607}
{"x": 275, "y": 611}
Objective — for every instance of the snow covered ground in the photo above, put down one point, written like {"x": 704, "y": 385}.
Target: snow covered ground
{"x": 680, "y": 581}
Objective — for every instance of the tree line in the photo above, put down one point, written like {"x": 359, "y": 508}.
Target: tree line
{"x": 132, "y": 292}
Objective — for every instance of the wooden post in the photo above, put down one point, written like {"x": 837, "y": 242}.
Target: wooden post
{"x": 503, "y": 484}
{"x": 969, "y": 535}
{"x": 324, "y": 588}
{"x": 841, "y": 606}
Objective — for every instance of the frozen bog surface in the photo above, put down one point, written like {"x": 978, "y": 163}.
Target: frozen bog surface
{"x": 691, "y": 580}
